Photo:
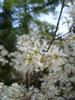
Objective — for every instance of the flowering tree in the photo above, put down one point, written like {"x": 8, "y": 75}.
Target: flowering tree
{"x": 44, "y": 75}
{"x": 53, "y": 71}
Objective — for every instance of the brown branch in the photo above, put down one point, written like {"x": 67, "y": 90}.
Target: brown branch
{"x": 63, "y": 1}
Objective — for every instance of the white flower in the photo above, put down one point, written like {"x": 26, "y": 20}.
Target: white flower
{"x": 3, "y": 53}
{"x": 1, "y": 47}
{"x": 59, "y": 63}
{"x": 14, "y": 92}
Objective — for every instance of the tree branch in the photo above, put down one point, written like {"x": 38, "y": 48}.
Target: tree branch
{"x": 63, "y": 1}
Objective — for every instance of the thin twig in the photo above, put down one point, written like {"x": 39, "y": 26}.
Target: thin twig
{"x": 63, "y": 1}
{"x": 59, "y": 37}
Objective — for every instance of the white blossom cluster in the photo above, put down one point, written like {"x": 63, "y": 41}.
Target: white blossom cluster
{"x": 18, "y": 92}
{"x": 58, "y": 84}
{"x": 30, "y": 56}
{"x": 14, "y": 92}
{"x": 61, "y": 81}
{"x": 3, "y": 54}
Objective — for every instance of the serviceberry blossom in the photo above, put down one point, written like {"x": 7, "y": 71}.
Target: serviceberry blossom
{"x": 3, "y": 54}
{"x": 57, "y": 84}
{"x": 30, "y": 56}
